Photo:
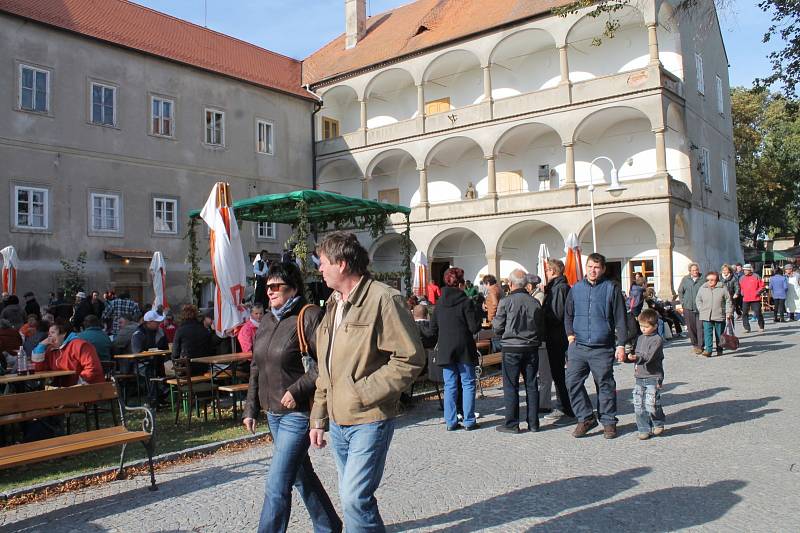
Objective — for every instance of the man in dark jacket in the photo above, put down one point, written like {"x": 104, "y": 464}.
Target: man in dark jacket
{"x": 594, "y": 320}
{"x": 555, "y": 301}
{"x": 150, "y": 336}
{"x": 519, "y": 322}
{"x": 687, "y": 295}
{"x": 32, "y": 307}
{"x": 83, "y": 308}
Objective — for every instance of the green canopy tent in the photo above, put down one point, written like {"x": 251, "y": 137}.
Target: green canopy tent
{"x": 770, "y": 256}
{"x": 309, "y": 211}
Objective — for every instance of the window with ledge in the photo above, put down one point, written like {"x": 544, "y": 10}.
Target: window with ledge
{"x": 105, "y": 212}
{"x": 164, "y": 216}
{"x": 389, "y": 196}
{"x": 215, "y": 127}
{"x": 161, "y": 116}
{"x": 264, "y": 137}
{"x": 701, "y": 83}
{"x": 509, "y": 182}
{"x": 725, "y": 183}
{"x": 705, "y": 168}
{"x": 34, "y": 89}
{"x": 104, "y": 100}
{"x": 720, "y": 97}
{"x": 30, "y": 207}
{"x": 330, "y": 128}
{"x": 267, "y": 231}
{"x": 433, "y": 107}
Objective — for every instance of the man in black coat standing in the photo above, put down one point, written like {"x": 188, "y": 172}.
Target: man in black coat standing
{"x": 32, "y": 307}
{"x": 519, "y": 321}
{"x": 555, "y": 300}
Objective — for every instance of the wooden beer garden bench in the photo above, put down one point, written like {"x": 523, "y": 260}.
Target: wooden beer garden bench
{"x": 42, "y": 402}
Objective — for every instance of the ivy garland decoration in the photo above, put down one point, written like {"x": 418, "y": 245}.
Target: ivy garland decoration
{"x": 405, "y": 249}
{"x": 193, "y": 260}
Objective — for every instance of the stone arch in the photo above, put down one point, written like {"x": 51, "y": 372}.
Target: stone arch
{"x": 677, "y": 144}
{"x": 341, "y": 176}
{"x": 518, "y": 246}
{"x": 451, "y": 165}
{"x": 524, "y": 149}
{"x": 461, "y": 247}
{"x": 455, "y": 75}
{"x": 391, "y": 97}
{"x": 627, "y": 50}
{"x": 669, "y": 40}
{"x": 385, "y": 253}
{"x": 341, "y": 104}
{"x": 390, "y": 170}
{"x": 523, "y": 62}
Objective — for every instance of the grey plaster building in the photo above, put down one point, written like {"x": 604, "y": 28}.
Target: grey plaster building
{"x": 116, "y": 120}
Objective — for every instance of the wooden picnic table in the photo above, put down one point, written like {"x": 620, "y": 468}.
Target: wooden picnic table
{"x": 224, "y": 359}
{"x": 143, "y": 355}
{"x": 44, "y": 374}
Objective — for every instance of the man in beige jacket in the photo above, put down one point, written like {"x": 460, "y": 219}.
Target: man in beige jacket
{"x": 369, "y": 352}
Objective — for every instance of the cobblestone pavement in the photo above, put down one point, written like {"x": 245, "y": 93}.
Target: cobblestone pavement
{"x": 729, "y": 461}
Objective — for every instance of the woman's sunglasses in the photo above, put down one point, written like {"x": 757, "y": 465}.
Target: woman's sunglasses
{"x": 275, "y": 287}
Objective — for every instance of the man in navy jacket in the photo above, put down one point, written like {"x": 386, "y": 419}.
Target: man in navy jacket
{"x": 594, "y": 320}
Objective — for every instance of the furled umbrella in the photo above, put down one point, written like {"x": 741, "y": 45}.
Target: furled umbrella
{"x": 10, "y": 264}
{"x": 573, "y": 269}
{"x": 227, "y": 259}
{"x": 420, "y": 263}
{"x": 541, "y": 263}
{"x": 158, "y": 270}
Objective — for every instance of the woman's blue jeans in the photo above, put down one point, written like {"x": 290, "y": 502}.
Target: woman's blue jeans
{"x": 291, "y": 466}
{"x": 451, "y": 374}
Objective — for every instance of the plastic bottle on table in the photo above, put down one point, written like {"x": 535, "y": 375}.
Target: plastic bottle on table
{"x": 22, "y": 362}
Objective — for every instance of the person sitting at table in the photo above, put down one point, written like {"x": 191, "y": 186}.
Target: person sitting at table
{"x": 193, "y": 338}
{"x": 10, "y": 340}
{"x": 93, "y": 332}
{"x": 149, "y": 336}
{"x": 169, "y": 326}
{"x": 280, "y": 386}
{"x": 122, "y": 340}
{"x": 41, "y": 333}
{"x": 247, "y": 333}
{"x": 29, "y": 327}
{"x": 63, "y": 350}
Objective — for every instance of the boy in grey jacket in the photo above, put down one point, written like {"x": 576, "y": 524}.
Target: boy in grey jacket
{"x": 649, "y": 374}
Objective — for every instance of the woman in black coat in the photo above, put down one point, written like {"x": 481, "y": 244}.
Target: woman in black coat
{"x": 454, "y": 324}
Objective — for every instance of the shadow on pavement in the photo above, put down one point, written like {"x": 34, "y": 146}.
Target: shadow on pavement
{"x": 547, "y": 499}
{"x": 132, "y": 499}
{"x": 653, "y": 512}
{"x": 710, "y": 416}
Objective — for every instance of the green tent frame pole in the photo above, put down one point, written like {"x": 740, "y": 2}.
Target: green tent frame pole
{"x": 406, "y": 243}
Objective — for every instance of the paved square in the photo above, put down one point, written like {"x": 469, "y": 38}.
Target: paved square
{"x": 729, "y": 461}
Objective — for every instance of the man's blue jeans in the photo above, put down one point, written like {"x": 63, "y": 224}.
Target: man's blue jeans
{"x": 451, "y": 374}
{"x": 647, "y": 404}
{"x": 360, "y": 453}
{"x": 291, "y": 465}
{"x": 582, "y": 360}
{"x": 710, "y": 330}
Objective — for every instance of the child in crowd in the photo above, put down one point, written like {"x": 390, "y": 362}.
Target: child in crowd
{"x": 649, "y": 374}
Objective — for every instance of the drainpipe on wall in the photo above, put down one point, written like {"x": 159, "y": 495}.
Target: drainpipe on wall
{"x": 317, "y": 107}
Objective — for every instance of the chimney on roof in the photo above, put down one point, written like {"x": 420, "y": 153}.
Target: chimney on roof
{"x": 355, "y": 13}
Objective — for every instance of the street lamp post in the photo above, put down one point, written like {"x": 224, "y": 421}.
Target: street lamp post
{"x": 615, "y": 187}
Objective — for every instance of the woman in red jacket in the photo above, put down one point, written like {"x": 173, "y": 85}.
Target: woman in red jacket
{"x": 64, "y": 351}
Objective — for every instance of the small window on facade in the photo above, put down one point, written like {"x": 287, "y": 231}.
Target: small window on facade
{"x": 34, "y": 87}
{"x": 267, "y": 230}
{"x": 161, "y": 119}
{"x": 164, "y": 213}
{"x": 705, "y": 168}
{"x": 389, "y": 196}
{"x": 509, "y": 182}
{"x": 105, "y": 212}
{"x": 720, "y": 97}
{"x": 264, "y": 137}
{"x": 215, "y": 127}
{"x": 725, "y": 183}
{"x": 330, "y": 128}
{"x": 701, "y": 83}
{"x": 30, "y": 207}
{"x": 433, "y": 107}
{"x": 104, "y": 99}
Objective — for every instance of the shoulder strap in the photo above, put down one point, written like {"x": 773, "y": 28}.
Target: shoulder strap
{"x": 301, "y": 330}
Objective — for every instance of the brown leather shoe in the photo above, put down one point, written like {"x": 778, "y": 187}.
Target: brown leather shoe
{"x": 705, "y": 354}
{"x": 697, "y": 350}
{"x": 584, "y": 427}
{"x": 610, "y": 431}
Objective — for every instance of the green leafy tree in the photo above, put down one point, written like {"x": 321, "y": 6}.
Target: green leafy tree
{"x": 74, "y": 277}
{"x": 766, "y": 133}
{"x": 785, "y": 28}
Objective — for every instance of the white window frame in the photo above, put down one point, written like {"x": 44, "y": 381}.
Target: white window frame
{"x": 117, "y": 212}
{"x": 45, "y": 209}
{"x": 160, "y": 117}
{"x": 705, "y": 166}
{"x": 114, "y": 106}
{"x": 46, "y": 110}
{"x": 221, "y": 140}
{"x": 720, "y": 96}
{"x": 270, "y": 142}
{"x": 268, "y": 227}
{"x": 174, "y": 203}
{"x": 701, "y": 81}
{"x": 726, "y": 186}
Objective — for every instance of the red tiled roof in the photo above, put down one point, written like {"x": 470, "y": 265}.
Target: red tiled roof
{"x": 395, "y": 33}
{"x": 136, "y": 27}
